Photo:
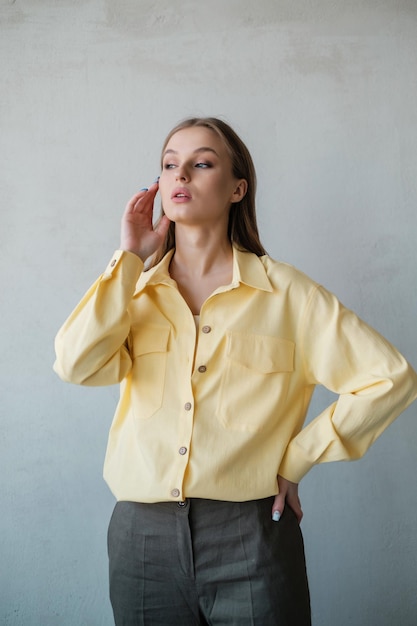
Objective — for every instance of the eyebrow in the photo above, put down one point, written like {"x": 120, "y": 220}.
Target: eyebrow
{"x": 196, "y": 151}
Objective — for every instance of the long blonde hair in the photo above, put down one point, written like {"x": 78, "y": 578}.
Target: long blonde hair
{"x": 242, "y": 226}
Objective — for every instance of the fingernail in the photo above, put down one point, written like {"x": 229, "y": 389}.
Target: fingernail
{"x": 276, "y": 515}
{"x": 156, "y": 180}
{"x": 143, "y": 189}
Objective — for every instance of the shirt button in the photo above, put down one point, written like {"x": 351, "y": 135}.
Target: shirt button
{"x": 183, "y": 450}
{"x": 187, "y": 406}
{"x": 113, "y": 263}
{"x": 206, "y": 329}
{"x": 202, "y": 369}
{"x": 175, "y": 493}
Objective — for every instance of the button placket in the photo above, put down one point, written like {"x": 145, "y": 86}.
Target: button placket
{"x": 206, "y": 329}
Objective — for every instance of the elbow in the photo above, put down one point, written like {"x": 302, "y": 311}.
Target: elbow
{"x": 408, "y": 384}
{"x": 74, "y": 366}
{"x": 399, "y": 385}
{"x": 69, "y": 372}
{"x": 91, "y": 371}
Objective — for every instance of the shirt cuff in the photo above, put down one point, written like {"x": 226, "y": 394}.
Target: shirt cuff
{"x": 128, "y": 263}
{"x": 294, "y": 466}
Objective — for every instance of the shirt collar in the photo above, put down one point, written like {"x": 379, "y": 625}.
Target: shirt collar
{"x": 158, "y": 274}
{"x": 247, "y": 269}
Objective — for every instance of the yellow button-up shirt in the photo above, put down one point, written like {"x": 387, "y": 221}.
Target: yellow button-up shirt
{"x": 217, "y": 411}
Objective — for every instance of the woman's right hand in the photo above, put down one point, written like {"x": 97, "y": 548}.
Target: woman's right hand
{"x": 138, "y": 234}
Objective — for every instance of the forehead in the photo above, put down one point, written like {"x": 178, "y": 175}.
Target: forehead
{"x": 195, "y": 138}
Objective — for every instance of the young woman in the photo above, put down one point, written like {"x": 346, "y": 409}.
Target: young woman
{"x": 217, "y": 349}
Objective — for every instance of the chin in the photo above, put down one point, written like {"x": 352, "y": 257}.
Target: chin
{"x": 178, "y": 214}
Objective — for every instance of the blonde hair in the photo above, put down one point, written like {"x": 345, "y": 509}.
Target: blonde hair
{"x": 242, "y": 226}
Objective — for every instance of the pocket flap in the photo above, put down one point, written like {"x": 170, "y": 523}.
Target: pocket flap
{"x": 150, "y": 339}
{"x": 260, "y": 352}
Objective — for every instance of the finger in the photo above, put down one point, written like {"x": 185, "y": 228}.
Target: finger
{"x": 143, "y": 192}
{"x": 134, "y": 199}
{"x": 278, "y": 507}
{"x": 162, "y": 227}
{"x": 294, "y": 503}
{"x": 152, "y": 188}
{"x": 146, "y": 196}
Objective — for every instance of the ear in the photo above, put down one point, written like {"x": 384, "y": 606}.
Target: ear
{"x": 240, "y": 191}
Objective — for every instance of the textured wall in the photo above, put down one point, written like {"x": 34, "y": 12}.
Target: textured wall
{"x": 325, "y": 95}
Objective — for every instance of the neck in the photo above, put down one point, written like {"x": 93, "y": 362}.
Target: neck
{"x": 200, "y": 253}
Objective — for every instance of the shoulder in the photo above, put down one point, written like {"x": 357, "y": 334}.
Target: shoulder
{"x": 284, "y": 276}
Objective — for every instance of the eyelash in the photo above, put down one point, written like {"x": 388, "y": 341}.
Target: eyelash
{"x": 199, "y": 165}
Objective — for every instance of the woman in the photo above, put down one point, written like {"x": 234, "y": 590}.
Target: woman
{"x": 217, "y": 349}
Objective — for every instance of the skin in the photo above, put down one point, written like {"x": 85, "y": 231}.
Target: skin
{"x": 197, "y": 164}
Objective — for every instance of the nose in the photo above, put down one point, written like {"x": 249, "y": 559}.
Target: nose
{"x": 181, "y": 174}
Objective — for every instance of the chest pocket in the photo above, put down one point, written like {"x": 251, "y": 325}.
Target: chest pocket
{"x": 255, "y": 381}
{"x": 149, "y": 347}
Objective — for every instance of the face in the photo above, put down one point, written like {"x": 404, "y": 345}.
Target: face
{"x": 197, "y": 185}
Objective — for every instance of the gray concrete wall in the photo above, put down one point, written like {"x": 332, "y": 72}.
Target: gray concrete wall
{"x": 325, "y": 95}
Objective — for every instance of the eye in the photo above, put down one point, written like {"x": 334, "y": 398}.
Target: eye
{"x": 203, "y": 165}
{"x": 168, "y": 166}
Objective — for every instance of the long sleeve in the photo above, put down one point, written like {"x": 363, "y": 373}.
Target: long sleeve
{"x": 374, "y": 383}
{"x": 232, "y": 396}
{"x": 90, "y": 346}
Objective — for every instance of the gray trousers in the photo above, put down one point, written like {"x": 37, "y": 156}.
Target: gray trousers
{"x": 206, "y": 562}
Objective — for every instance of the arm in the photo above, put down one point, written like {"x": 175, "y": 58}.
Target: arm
{"x": 90, "y": 346}
{"x": 374, "y": 382}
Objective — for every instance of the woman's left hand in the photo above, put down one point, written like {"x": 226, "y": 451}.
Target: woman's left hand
{"x": 288, "y": 495}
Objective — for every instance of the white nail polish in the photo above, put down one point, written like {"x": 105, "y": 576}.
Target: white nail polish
{"x": 276, "y": 515}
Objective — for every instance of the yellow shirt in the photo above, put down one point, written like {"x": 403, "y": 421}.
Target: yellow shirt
{"x": 217, "y": 410}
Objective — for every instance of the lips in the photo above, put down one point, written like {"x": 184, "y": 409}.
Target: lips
{"x": 181, "y": 194}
